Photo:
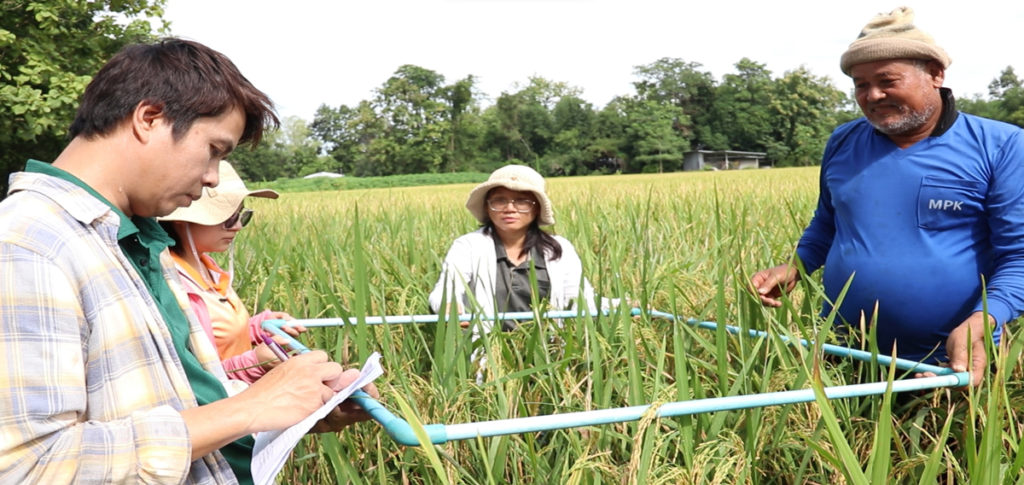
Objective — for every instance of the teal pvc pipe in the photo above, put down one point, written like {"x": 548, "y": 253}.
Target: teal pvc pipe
{"x": 837, "y": 350}
{"x": 404, "y": 319}
{"x": 402, "y": 432}
{"x": 682, "y": 408}
{"x": 399, "y": 429}
{"x": 274, "y": 326}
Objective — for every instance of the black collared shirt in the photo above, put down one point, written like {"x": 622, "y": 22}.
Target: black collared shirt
{"x": 949, "y": 112}
{"x": 512, "y": 285}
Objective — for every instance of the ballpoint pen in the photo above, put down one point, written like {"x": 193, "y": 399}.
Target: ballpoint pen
{"x": 275, "y": 347}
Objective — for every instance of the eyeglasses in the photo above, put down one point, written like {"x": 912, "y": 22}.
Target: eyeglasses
{"x": 499, "y": 204}
{"x": 243, "y": 215}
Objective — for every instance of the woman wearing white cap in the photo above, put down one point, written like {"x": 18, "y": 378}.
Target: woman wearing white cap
{"x": 494, "y": 261}
{"x": 210, "y": 225}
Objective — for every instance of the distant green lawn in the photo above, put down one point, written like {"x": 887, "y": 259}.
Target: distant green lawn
{"x": 351, "y": 183}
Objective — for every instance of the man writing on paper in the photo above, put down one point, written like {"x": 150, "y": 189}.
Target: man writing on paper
{"x": 104, "y": 377}
{"x": 920, "y": 204}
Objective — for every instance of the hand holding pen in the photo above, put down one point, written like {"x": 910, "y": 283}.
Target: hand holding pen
{"x": 275, "y": 347}
{"x": 269, "y": 352}
{"x": 346, "y": 413}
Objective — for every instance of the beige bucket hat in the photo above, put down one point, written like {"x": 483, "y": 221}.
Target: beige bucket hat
{"x": 218, "y": 203}
{"x": 513, "y": 177}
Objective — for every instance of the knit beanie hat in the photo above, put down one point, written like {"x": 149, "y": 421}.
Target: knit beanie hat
{"x": 892, "y": 36}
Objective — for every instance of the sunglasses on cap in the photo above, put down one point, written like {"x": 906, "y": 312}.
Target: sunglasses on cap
{"x": 242, "y": 215}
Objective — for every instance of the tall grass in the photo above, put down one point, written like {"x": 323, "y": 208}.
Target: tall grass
{"x": 680, "y": 243}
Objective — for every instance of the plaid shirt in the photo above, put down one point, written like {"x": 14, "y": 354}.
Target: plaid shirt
{"x": 91, "y": 387}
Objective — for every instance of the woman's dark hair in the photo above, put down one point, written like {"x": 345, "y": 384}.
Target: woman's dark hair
{"x": 169, "y": 229}
{"x": 186, "y": 79}
{"x": 535, "y": 238}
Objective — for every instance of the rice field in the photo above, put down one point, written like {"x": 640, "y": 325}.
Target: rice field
{"x": 683, "y": 243}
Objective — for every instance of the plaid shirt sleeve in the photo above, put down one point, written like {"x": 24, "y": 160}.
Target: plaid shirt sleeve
{"x": 43, "y": 381}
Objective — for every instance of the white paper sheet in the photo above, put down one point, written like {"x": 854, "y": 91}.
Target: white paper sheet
{"x": 273, "y": 448}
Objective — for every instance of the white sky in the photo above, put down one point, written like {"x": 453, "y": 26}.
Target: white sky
{"x": 305, "y": 53}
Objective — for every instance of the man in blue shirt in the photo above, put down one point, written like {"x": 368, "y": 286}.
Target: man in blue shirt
{"x": 921, "y": 208}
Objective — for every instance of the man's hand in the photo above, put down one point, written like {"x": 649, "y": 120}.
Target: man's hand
{"x": 958, "y": 344}
{"x": 348, "y": 412}
{"x": 293, "y": 390}
{"x": 769, "y": 284}
{"x": 282, "y": 397}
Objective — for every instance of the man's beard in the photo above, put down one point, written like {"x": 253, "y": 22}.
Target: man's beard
{"x": 908, "y": 120}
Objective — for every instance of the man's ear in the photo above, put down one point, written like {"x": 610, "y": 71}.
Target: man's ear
{"x": 146, "y": 118}
{"x": 937, "y": 72}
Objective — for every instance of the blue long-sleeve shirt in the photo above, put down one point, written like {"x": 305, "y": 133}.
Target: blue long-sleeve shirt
{"x": 918, "y": 228}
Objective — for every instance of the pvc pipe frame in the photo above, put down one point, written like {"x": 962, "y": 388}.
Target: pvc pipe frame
{"x": 403, "y": 433}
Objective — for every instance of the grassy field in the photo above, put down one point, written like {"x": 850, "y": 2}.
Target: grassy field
{"x": 682, "y": 243}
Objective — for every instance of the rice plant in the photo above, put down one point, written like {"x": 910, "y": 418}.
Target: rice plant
{"x": 682, "y": 243}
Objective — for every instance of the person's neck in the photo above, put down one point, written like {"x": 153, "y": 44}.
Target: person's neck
{"x": 513, "y": 243}
{"x": 192, "y": 258}
{"x": 905, "y": 140}
{"x": 100, "y": 163}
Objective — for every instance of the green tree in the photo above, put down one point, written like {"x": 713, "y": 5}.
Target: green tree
{"x": 345, "y": 135}
{"x": 657, "y": 144}
{"x": 684, "y": 85}
{"x": 740, "y": 117}
{"x": 572, "y": 126}
{"x": 1007, "y": 81}
{"x": 263, "y": 162}
{"x": 608, "y": 150}
{"x": 546, "y": 92}
{"x": 466, "y": 127}
{"x": 332, "y": 128}
{"x": 414, "y": 124}
{"x": 572, "y": 113}
{"x": 804, "y": 111}
{"x": 653, "y": 139}
{"x": 48, "y": 53}
{"x": 414, "y": 106}
{"x": 980, "y": 106}
{"x": 520, "y": 127}
{"x": 287, "y": 152}
{"x": 1008, "y": 90}
{"x": 302, "y": 151}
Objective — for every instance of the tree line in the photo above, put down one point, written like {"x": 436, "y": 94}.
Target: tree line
{"x": 418, "y": 122}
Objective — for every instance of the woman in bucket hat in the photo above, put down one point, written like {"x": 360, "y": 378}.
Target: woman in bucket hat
{"x": 210, "y": 225}
{"x": 494, "y": 262}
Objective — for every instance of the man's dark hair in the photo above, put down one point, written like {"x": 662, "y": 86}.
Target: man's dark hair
{"x": 186, "y": 79}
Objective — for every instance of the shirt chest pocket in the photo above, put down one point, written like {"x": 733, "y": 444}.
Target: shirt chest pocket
{"x": 949, "y": 203}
